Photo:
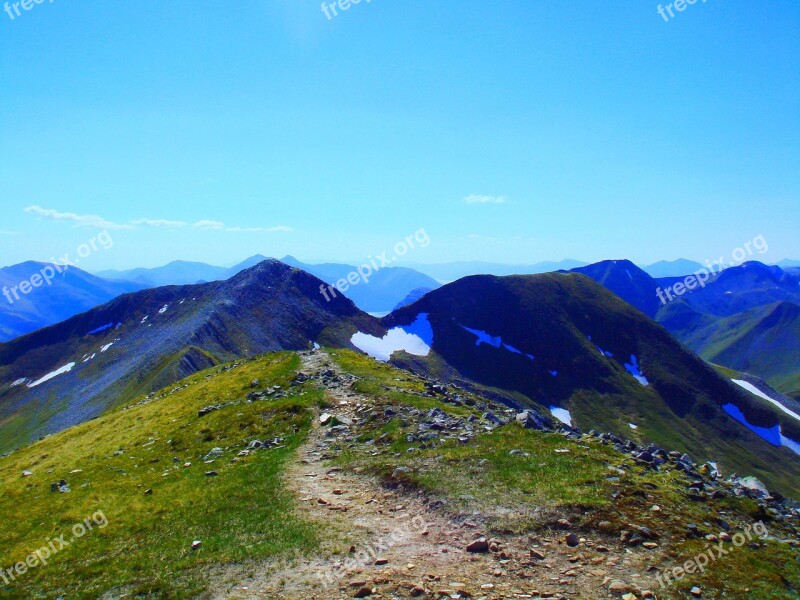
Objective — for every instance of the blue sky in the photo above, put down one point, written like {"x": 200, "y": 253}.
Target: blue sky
{"x": 213, "y": 131}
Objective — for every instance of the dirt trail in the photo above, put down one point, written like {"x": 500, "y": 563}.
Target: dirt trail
{"x": 393, "y": 546}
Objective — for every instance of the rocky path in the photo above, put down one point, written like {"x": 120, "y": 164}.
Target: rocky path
{"x": 391, "y": 545}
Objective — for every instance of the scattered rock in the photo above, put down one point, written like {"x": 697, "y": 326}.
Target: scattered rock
{"x": 618, "y": 587}
{"x": 481, "y": 545}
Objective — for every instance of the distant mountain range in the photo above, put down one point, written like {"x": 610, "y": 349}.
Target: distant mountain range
{"x": 384, "y": 290}
{"x": 380, "y": 294}
{"x": 744, "y": 318}
{"x": 672, "y": 268}
{"x": 447, "y": 272}
{"x": 68, "y": 293}
{"x": 559, "y": 343}
{"x": 181, "y": 272}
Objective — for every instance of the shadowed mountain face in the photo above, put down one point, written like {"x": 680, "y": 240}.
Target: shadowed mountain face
{"x": 627, "y": 281}
{"x": 69, "y": 292}
{"x": 563, "y": 341}
{"x": 70, "y": 372}
{"x": 741, "y": 318}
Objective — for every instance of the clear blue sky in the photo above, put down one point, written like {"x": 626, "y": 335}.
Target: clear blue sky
{"x": 586, "y": 129}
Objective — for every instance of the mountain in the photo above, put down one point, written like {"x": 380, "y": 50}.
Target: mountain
{"x": 763, "y": 341}
{"x": 447, "y": 272}
{"x": 788, "y": 264}
{"x": 70, "y": 372}
{"x": 738, "y": 289}
{"x": 254, "y": 479}
{"x": 724, "y": 294}
{"x": 627, "y": 281}
{"x": 382, "y": 290}
{"x": 68, "y": 293}
{"x": 561, "y": 341}
{"x": 672, "y": 268}
{"x": 742, "y": 318}
{"x": 178, "y": 272}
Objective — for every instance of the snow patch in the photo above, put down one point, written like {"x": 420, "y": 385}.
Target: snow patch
{"x": 107, "y": 346}
{"x": 495, "y": 341}
{"x": 754, "y": 390}
{"x": 485, "y": 338}
{"x": 632, "y": 426}
{"x": 769, "y": 434}
{"x": 142, "y": 322}
{"x": 88, "y": 358}
{"x": 65, "y": 369}
{"x": 163, "y": 309}
{"x": 562, "y": 414}
{"x": 19, "y": 381}
{"x": 415, "y": 339}
{"x": 633, "y": 369}
{"x": 790, "y": 444}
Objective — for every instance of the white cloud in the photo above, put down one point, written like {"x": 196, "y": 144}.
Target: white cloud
{"x": 101, "y": 223}
{"x": 483, "y": 199}
{"x": 205, "y": 224}
{"x": 79, "y": 220}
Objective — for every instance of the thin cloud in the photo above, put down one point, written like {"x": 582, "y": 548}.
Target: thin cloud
{"x": 7, "y": 232}
{"x": 159, "y": 223}
{"x": 101, "y": 223}
{"x": 79, "y": 220}
{"x": 207, "y": 225}
{"x": 484, "y": 199}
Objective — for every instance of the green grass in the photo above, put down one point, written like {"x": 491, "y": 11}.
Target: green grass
{"x": 245, "y": 512}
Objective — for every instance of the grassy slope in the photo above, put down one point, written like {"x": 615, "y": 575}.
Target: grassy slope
{"x": 245, "y": 513}
{"x": 762, "y": 341}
